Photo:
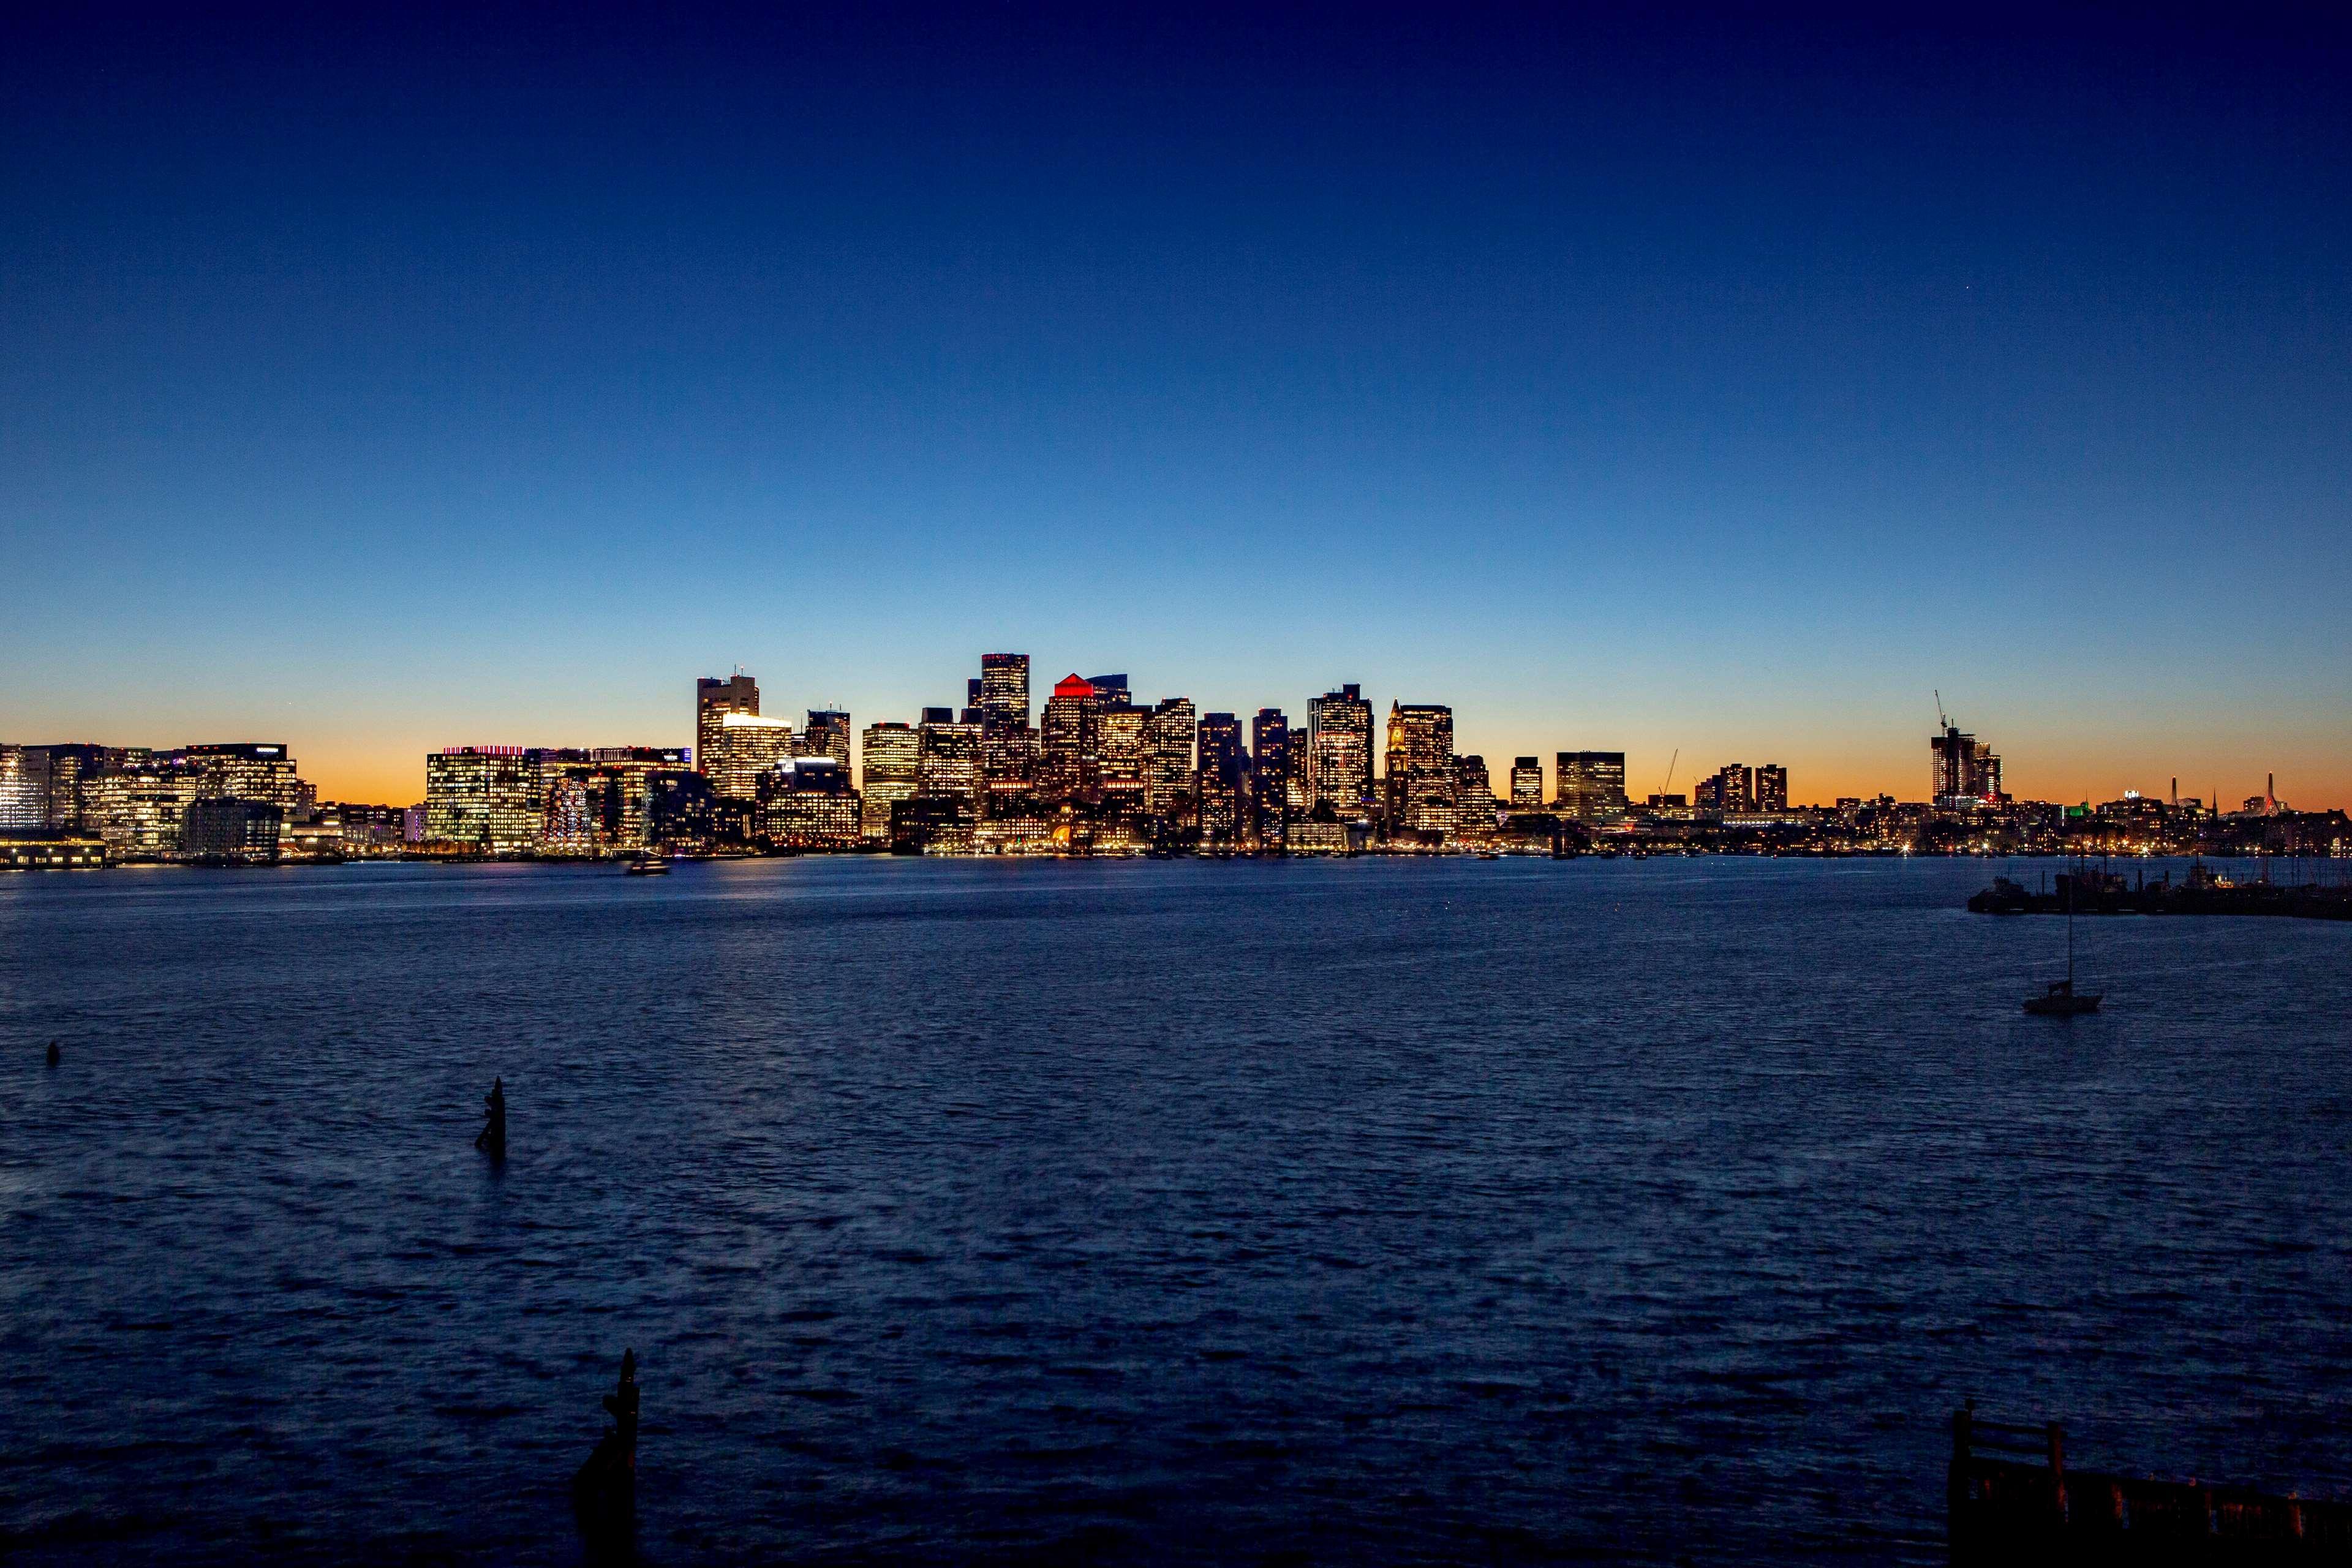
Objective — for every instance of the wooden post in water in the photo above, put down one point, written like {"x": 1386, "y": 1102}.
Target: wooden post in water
{"x": 2058, "y": 1469}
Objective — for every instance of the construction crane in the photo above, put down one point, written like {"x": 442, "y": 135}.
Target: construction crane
{"x": 1669, "y": 786}
{"x": 1941, "y": 722}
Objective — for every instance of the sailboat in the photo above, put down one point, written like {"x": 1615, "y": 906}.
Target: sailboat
{"x": 2060, "y": 999}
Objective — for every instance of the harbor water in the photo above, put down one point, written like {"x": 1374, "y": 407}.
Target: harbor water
{"x": 960, "y": 1212}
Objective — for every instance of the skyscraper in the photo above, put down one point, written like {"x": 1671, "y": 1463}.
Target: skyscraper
{"x": 1771, "y": 788}
{"x": 1592, "y": 786}
{"x": 1111, "y": 688}
{"x": 1965, "y": 773}
{"x": 713, "y": 696}
{"x": 245, "y": 770}
{"x": 1121, "y": 726}
{"x": 743, "y": 749}
{"x": 1008, "y": 745}
{"x": 827, "y": 735}
{"x": 24, "y": 789}
{"x": 1222, "y": 788}
{"x": 1527, "y": 784}
{"x": 1340, "y": 751}
{"x": 948, "y": 754}
{"x": 1272, "y": 765}
{"x": 1168, "y": 738}
{"x": 892, "y": 755}
{"x": 1474, "y": 811}
{"x": 485, "y": 799}
{"x": 1069, "y": 743}
{"x": 1732, "y": 787}
{"x": 1422, "y": 780}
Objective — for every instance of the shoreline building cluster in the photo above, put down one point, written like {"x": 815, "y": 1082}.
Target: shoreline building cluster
{"x": 1090, "y": 771}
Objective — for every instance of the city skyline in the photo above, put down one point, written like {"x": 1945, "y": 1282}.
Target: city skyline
{"x": 399, "y": 780}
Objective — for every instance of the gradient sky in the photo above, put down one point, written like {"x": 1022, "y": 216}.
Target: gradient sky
{"x": 1687, "y": 381}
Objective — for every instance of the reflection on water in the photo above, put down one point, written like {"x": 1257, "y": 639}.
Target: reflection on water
{"x": 1350, "y": 1212}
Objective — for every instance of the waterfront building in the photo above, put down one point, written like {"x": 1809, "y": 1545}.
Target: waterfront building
{"x": 1272, "y": 764}
{"x": 628, "y": 774}
{"x": 1527, "y": 784}
{"x": 572, "y": 819}
{"x": 1476, "y": 809}
{"x": 949, "y": 756}
{"x": 932, "y": 824}
{"x": 51, "y": 853}
{"x": 1320, "y": 836}
{"x": 1964, "y": 772}
{"x": 1222, "y": 790}
{"x": 714, "y": 697}
{"x": 1168, "y": 746}
{"x": 1732, "y": 787}
{"x": 743, "y": 749}
{"x": 24, "y": 789}
{"x": 484, "y": 800}
{"x": 807, "y": 804}
{"x": 1771, "y": 788}
{"x": 241, "y": 831}
{"x": 65, "y": 767}
{"x": 1120, "y": 726}
{"x": 1592, "y": 786}
{"x": 827, "y": 735}
{"x": 1069, "y": 755}
{"x": 1340, "y": 751}
{"x": 139, "y": 808}
{"x": 891, "y": 754}
{"x": 1422, "y": 782}
{"x": 246, "y": 770}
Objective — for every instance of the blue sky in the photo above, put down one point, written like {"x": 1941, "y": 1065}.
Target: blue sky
{"x": 1695, "y": 383}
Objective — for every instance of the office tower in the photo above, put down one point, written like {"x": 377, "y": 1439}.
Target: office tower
{"x": 971, "y": 694}
{"x": 621, "y": 781}
{"x": 1272, "y": 764}
{"x": 1421, "y": 781}
{"x": 66, "y": 767}
{"x": 1008, "y": 745}
{"x": 948, "y": 757}
{"x": 892, "y": 755}
{"x": 1168, "y": 737}
{"x": 715, "y": 696}
{"x": 1771, "y": 788}
{"x": 807, "y": 804}
{"x": 484, "y": 799}
{"x": 1527, "y": 784}
{"x": 1111, "y": 688}
{"x": 1340, "y": 751}
{"x": 742, "y": 749}
{"x": 243, "y": 831}
{"x": 245, "y": 770}
{"x": 1121, "y": 728}
{"x": 1222, "y": 790}
{"x": 827, "y": 735}
{"x": 1474, "y": 797}
{"x": 1592, "y": 786}
{"x": 1732, "y": 787}
{"x": 1069, "y": 755}
{"x": 24, "y": 789}
{"x": 1965, "y": 774}
{"x": 139, "y": 804}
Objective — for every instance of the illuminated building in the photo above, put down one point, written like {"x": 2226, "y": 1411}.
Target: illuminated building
{"x": 1120, "y": 726}
{"x": 1168, "y": 737}
{"x": 138, "y": 809}
{"x": 1111, "y": 689}
{"x": 487, "y": 800}
{"x": 1008, "y": 745}
{"x": 241, "y": 831}
{"x": 1475, "y": 806}
{"x": 932, "y": 824}
{"x": 1273, "y": 774}
{"x": 1965, "y": 775}
{"x": 808, "y": 804}
{"x": 1592, "y": 786}
{"x": 245, "y": 770}
{"x": 630, "y": 771}
{"x": 1771, "y": 788}
{"x": 64, "y": 768}
{"x": 683, "y": 812}
{"x": 1422, "y": 782}
{"x": 24, "y": 790}
{"x": 1527, "y": 784}
{"x": 715, "y": 697}
{"x": 949, "y": 756}
{"x": 1732, "y": 787}
{"x": 1222, "y": 792}
{"x": 572, "y": 819}
{"x": 51, "y": 854}
{"x": 1340, "y": 751}
{"x": 892, "y": 755}
{"x": 1069, "y": 755}
{"x": 827, "y": 735}
{"x": 743, "y": 749}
